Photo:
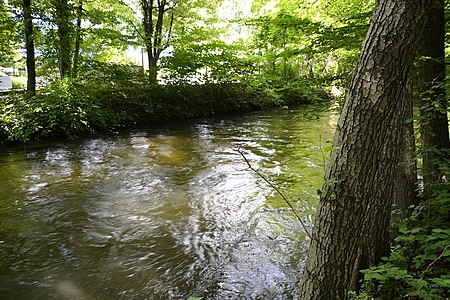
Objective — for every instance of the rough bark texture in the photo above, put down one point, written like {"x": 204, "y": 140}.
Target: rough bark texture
{"x": 352, "y": 224}
{"x": 29, "y": 44}
{"x": 431, "y": 73}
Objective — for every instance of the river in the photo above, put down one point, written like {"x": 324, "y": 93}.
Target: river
{"x": 166, "y": 212}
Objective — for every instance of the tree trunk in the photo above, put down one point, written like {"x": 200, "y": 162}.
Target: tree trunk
{"x": 153, "y": 33}
{"x": 64, "y": 32}
{"x": 406, "y": 184}
{"x": 76, "y": 55}
{"x": 405, "y": 194}
{"x": 147, "y": 11}
{"x": 152, "y": 68}
{"x": 29, "y": 44}
{"x": 352, "y": 224}
{"x": 433, "y": 106}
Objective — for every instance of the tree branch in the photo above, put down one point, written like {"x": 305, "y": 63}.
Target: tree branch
{"x": 276, "y": 189}
{"x": 434, "y": 261}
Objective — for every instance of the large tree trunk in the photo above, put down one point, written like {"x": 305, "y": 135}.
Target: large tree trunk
{"x": 29, "y": 44}
{"x": 352, "y": 224}
{"x": 431, "y": 75}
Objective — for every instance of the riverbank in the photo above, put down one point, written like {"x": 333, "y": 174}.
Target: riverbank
{"x": 70, "y": 109}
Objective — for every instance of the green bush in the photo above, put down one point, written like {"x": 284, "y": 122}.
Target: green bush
{"x": 418, "y": 266}
{"x": 19, "y": 83}
{"x": 59, "y": 111}
{"x": 109, "y": 97}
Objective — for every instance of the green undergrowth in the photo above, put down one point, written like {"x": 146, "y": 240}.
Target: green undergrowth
{"x": 419, "y": 264}
{"x": 112, "y": 97}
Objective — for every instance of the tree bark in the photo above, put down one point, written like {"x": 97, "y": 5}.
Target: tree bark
{"x": 29, "y": 45}
{"x": 433, "y": 104}
{"x": 64, "y": 36}
{"x": 405, "y": 194}
{"x": 76, "y": 54}
{"x": 352, "y": 224}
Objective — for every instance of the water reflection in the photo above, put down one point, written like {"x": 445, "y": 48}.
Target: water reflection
{"x": 162, "y": 213}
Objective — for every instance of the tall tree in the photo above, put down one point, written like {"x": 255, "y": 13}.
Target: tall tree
{"x": 157, "y": 34}
{"x": 352, "y": 222}
{"x": 63, "y": 21}
{"x": 433, "y": 105}
{"x": 29, "y": 45}
{"x": 74, "y": 31}
{"x": 78, "y": 37}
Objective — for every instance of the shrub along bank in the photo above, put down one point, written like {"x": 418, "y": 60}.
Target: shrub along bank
{"x": 107, "y": 102}
{"x": 418, "y": 266}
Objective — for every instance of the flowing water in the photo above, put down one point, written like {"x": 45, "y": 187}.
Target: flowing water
{"x": 167, "y": 212}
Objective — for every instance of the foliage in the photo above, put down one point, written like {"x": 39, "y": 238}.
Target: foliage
{"x": 19, "y": 82}
{"x": 293, "y": 41}
{"x": 104, "y": 31}
{"x": 8, "y": 36}
{"x": 213, "y": 61}
{"x": 60, "y": 110}
{"x": 286, "y": 53}
{"x": 110, "y": 97}
{"x": 418, "y": 266}
{"x": 290, "y": 40}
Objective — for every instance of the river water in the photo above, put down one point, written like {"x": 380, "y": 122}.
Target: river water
{"x": 168, "y": 212}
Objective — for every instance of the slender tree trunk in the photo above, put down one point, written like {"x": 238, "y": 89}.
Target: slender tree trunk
{"x": 433, "y": 107}
{"x": 29, "y": 44}
{"x": 64, "y": 36}
{"x": 76, "y": 55}
{"x": 153, "y": 32}
{"x": 147, "y": 10}
{"x": 157, "y": 41}
{"x": 152, "y": 65}
{"x": 308, "y": 65}
{"x": 352, "y": 224}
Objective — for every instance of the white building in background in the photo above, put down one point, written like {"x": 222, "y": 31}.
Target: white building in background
{"x": 5, "y": 82}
